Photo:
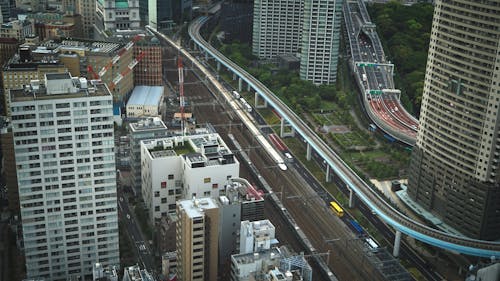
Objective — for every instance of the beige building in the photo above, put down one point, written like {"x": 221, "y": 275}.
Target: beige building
{"x": 17, "y": 73}
{"x": 197, "y": 236}
{"x": 86, "y": 8}
{"x": 454, "y": 171}
{"x": 18, "y": 29}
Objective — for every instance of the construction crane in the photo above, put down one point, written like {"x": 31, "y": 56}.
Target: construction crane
{"x": 91, "y": 71}
{"x": 181, "y": 94}
{"x": 117, "y": 57}
{"x": 129, "y": 68}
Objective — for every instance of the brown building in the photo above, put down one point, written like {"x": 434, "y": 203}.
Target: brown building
{"x": 197, "y": 239}
{"x": 21, "y": 69}
{"x": 9, "y": 165}
{"x": 8, "y": 47}
{"x": 148, "y": 71}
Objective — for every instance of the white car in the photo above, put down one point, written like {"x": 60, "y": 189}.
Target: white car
{"x": 128, "y": 216}
{"x": 288, "y": 155}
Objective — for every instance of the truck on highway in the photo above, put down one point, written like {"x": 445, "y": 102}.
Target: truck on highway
{"x": 364, "y": 77}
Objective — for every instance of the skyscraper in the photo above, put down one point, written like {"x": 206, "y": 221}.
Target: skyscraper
{"x": 454, "y": 168}
{"x": 63, "y": 143}
{"x": 320, "y": 41}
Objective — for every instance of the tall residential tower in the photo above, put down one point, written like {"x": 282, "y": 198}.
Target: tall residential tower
{"x": 309, "y": 29}
{"x": 454, "y": 171}
{"x": 63, "y": 143}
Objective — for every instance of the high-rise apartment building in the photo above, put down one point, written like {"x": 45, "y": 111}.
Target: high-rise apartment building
{"x": 320, "y": 41}
{"x": 454, "y": 170}
{"x": 309, "y": 29}
{"x": 63, "y": 143}
{"x": 197, "y": 239}
{"x": 277, "y": 27}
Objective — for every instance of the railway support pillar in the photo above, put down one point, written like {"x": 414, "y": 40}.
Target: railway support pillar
{"x": 285, "y": 133}
{"x": 308, "y": 153}
{"x": 328, "y": 177}
{"x": 240, "y": 84}
{"x": 351, "y": 198}
{"x": 206, "y": 56}
{"x": 259, "y": 102}
{"x": 397, "y": 244}
{"x": 218, "y": 66}
{"x": 234, "y": 76}
{"x": 249, "y": 88}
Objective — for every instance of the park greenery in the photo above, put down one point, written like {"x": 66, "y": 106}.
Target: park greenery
{"x": 405, "y": 34}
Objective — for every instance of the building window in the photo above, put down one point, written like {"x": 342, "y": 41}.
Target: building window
{"x": 157, "y": 194}
{"x": 207, "y": 180}
{"x": 163, "y": 184}
{"x": 215, "y": 185}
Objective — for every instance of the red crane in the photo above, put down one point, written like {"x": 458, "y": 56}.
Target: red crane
{"x": 129, "y": 68}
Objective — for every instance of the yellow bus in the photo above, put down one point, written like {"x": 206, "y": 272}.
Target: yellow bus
{"x": 336, "y": 209}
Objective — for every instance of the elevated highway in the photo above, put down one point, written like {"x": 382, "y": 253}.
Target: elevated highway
{"x": 385, "y": 211}
{"x": 374, "y": 75}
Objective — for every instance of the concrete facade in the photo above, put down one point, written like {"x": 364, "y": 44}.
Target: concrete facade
{"x": 63, "y": 143}
{"x": 454, "y": 168}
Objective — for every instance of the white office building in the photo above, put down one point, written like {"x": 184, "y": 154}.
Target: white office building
{"x": 184, "y": 167}
{"x": 63, "y": 141}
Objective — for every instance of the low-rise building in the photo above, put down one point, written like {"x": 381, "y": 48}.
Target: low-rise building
{"x": 145, "y": 101}
{"x": 135, "y": 273}
{"x": 18, "y": 29}
{"x": 274, "y": 264}
{"x": 104, "y": 273}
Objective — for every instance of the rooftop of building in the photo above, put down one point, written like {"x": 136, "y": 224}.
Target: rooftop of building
{"x": 196, "y": 207}
{"x": 259, "y": 225}
{"x": 271, "y": 254}
{"x": 146, "y": 96}
{"x": 151, "y": 123}
{"x": 241, "y": 193}
{"x": 198, "y": 150}
{"x": 135, "y": 273}
{"x": 73, "y": 87}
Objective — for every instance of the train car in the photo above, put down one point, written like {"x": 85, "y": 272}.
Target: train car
{"x": 277, "y": 142}
{"x": 248, "y": 107}
{"x": 236, "y": 95}
{"x": 359, "y": 230}
{"x": 337, "y": 210}
{"x": 371, "y": 244}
